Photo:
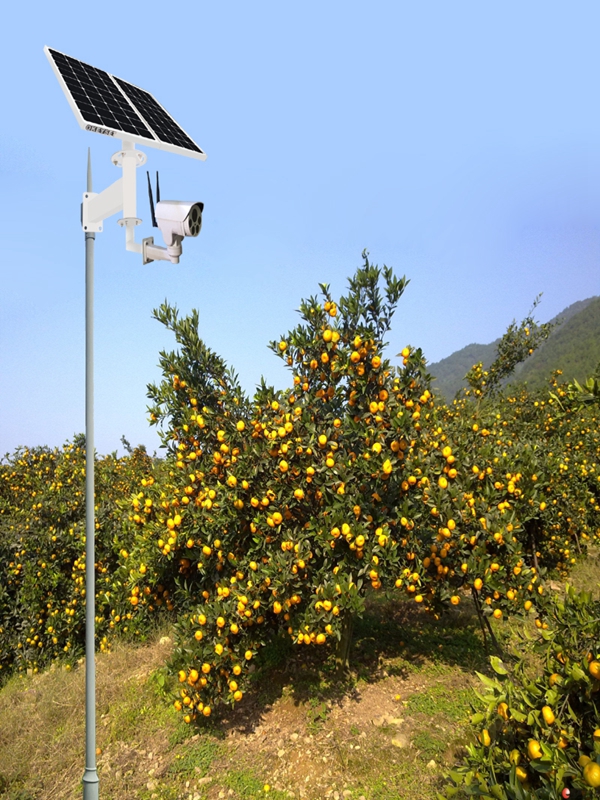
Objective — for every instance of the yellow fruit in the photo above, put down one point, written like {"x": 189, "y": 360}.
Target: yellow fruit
{"x": 455, "y": 600}
{"x": 554, "y": 678}
{"x": 583, "y": 760}
{"x": 548, "y": 715}
{"x": 485, "y": 738}
{"x": 521, "y": 774}
{"x": 591, "y": 774}
{"x": 515, "y": 757}
{"x": 503, "y": 710}
{"x": 534, "y": 749}
{"x": 597, "y": 735}
{"x": 497, "y": 613}
{"x": 478, "y": 583}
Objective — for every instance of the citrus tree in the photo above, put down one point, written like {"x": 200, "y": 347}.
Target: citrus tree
{"x": 42, "y": 550}
{"x": 538, "y": 731}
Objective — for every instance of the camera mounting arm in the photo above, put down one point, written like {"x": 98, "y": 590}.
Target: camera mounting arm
{"x": 121, "y": 196}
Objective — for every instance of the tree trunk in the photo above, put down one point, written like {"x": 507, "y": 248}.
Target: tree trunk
{"x": 532, "y": 524}
{"x": 481, "y": 622}
{"x": 485, "y": 623}
{"x": 342, "y": 658}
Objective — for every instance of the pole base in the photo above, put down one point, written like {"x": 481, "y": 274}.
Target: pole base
{"x": 90, "y": 784}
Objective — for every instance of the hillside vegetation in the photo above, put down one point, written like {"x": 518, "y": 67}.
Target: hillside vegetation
{"x": 573, "y": 347}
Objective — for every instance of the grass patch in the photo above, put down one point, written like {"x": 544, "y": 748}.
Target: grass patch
{"x": 453, "y": 704}
{"x": 197, "y": 758}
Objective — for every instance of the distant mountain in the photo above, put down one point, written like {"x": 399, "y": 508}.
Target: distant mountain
{"x": 573, "y": 346}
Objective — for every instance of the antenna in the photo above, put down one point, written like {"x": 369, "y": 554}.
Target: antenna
{"x": 152, "y": 214}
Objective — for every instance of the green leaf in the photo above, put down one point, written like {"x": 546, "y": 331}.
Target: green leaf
{"x": 498, "y": 666}
{"x": 489, "y": 682}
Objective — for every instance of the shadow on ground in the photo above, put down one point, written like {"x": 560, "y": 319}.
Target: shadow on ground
{"x": 392, "y": 639}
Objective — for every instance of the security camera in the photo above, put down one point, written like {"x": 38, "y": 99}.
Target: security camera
{"x": 176, "y": 219}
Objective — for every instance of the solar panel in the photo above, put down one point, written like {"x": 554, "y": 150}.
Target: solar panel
{"x": 105, "y": 104}
{"x": 162, "y": 123}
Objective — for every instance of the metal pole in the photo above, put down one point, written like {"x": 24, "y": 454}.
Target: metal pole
{"x": 90, "y": 777}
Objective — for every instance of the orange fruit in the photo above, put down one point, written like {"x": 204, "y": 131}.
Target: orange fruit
{"x": 534, "y": 749}
{"x": 594, "y": 669}
{"x": 548, "y": 715}
{"x": 591, "y": 774}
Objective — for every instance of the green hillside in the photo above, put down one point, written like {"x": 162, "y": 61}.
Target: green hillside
{"x": 573, "y": 347}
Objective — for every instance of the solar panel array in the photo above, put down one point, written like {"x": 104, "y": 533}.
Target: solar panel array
{"x": 108, "y": 102}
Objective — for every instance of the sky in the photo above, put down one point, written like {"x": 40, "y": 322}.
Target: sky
{"x": 459, "y": 143}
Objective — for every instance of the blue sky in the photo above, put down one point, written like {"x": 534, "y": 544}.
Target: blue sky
{"x": 458, "y": 142}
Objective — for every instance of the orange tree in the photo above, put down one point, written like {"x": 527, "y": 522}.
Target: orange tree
{"x": 486, "y": 493}
{"x": 42, "y": 550}
{"x": 538, "y": 734}
{"x": 280, "y": 512}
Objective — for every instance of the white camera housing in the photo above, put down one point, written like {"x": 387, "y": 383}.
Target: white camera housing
{"x": 178, "y": 218}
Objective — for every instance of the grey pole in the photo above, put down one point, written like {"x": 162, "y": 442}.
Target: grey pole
{"x": 90, "y": 777}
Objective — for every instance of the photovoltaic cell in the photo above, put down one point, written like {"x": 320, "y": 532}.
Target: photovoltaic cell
{"x": 162, "y": 123}
{"x": 98, "y": 98}
{"x": 109, "y": 105}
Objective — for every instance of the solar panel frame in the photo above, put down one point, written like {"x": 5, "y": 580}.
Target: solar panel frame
{"x": 88, "y": 99}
